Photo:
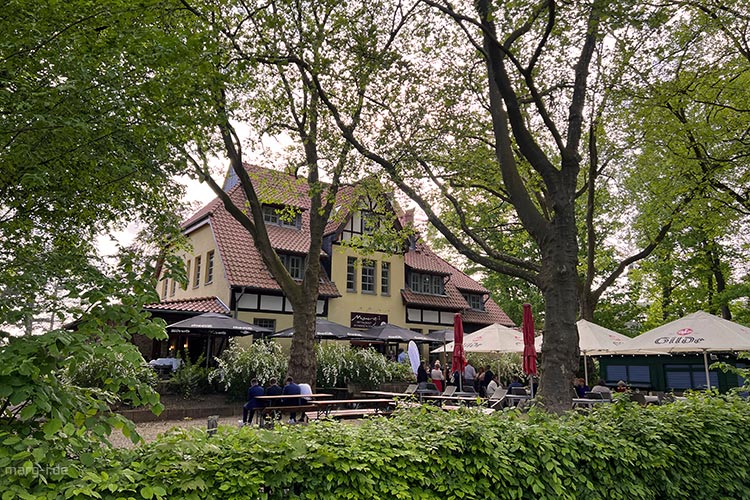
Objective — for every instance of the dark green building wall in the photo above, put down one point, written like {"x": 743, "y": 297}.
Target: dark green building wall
{"x": 677, "y": 372}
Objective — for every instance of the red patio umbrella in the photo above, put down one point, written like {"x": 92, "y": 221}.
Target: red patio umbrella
{"x": 529, "y": 352}
{"x": 458, "y": 363}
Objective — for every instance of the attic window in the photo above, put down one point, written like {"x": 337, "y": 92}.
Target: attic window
{"x": 427, "y": 283}
{"x": 281, "y": 217}
{"x": 295, "y": 264}
{"x": 475, "y": 301}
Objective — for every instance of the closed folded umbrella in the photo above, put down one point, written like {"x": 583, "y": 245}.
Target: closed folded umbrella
{"x": 529, "y": 350}
{"x": 458, "y": 362}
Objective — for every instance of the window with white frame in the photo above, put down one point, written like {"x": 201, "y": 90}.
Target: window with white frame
{"x": 475, "y": 301}
{"x": 385, "y": 278}
{"x": 265, "y": 323}
{"x": 294, "y": 264}
{"x": 368, "y": 276}
{"x": 351, "y": 274}
{"x": 427, "y": 283}
{"x": 278, "y": 217}
{"x": 210, "y": 267}
{"x": 197, "y": 272}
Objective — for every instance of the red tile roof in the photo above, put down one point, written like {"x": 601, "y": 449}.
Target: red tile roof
{"x": 491, "y": 314}
{"x": 242, "y": 261}
{"x": 244, "y": 265}
{"x": 425, "y": 260}
{"x": 422, "y": 259}
{"x": 195, "y": 304}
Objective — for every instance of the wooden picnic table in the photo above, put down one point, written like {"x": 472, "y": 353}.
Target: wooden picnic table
{"x": 291, "y": 396}
{"x": 274, "y": 409}
{"x": 387, "y": 394}
{"x": 440, "y": 399}
{"x": 353, "y": 407}
{"x": 588, "y": 403}
{"x": 516, "y": 399}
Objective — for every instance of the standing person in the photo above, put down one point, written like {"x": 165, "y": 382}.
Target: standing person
{"x": 422, "y": 376}
{"x": 248, "y": 411}
{"x": 437, "y": 376}
{"x": 469, "y": 374}
{"x": 291, "y": 389}
{"x": 402, "y": 356}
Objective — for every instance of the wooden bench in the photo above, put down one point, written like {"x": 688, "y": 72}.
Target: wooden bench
{"x": 272, "y": 411}
{"x": 352, "y": 408}
{"x": 348, "y": 413}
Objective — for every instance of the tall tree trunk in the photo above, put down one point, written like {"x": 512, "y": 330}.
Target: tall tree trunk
{"x": 721, "y": 282}
{"x": 304, "y": 367}
{"x": 559, "y": 283}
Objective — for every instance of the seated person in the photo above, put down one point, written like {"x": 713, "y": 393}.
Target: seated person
{"x": 274, "y": 389}
{"x": 581, "y": 387}
{"x": 493, "y": 386}
{"x": 304, "y": 390}
{"x": 248, "y": 411}
{"x": 515, "y": 384}
{"x": 291, "y": 389}
{"x": 601, "y": 388}
{"x": 621, "y": 386}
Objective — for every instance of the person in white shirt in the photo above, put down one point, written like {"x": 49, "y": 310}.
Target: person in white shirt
{"x": 305, "y": 389}
{"x": 469, "y": 374}
{"x": 437, "y": 376}
{"x": 492, "y": 386}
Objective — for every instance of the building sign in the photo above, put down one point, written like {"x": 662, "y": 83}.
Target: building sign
{"x": 367, "y": 320}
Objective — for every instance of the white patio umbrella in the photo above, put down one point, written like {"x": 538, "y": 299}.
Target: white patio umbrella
{"x": 493, "y": 338}
{"x": 696, "y": 332}
{"x": 595, "y": 340}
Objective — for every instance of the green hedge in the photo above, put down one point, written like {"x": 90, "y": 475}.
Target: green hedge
{"x": 696, "y": 449}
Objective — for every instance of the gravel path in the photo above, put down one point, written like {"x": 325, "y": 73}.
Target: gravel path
{"x": 149, "y": 431}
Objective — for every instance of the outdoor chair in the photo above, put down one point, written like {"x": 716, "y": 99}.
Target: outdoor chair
{"x": 518, "y": 391}
{"x": 594, "y": 395}
{"x": 639, "y": 398}
{"x": 410, "y": 389}
{"x": 497, "y": 400}
{"x": 449, "y": 390}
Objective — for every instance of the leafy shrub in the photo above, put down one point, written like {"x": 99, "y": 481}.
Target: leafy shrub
{"x": 238, "y": 365}
{"x": 399, "y": 372}
{"x": 339, "y": 364}
{"x": 97, "y": 372}
{"x": 190, "y": 379}
{"x": 619, "y": 451}
{"x": 505, "y": 366}
{"x": 50, "y": 426}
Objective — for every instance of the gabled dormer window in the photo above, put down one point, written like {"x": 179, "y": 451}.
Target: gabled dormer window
{"x": 295, "y": 264}
{"x": 283, "y": 217}
{"x": 474, "y": 300}
{"x": 432, "y": 284}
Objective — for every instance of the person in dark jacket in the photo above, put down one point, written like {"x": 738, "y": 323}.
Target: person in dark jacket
{"x": 274, "y": 389}
{"x": 248, "y": 411}
{"x": 422, "y": 375}
{"x": 292, "y": 389}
